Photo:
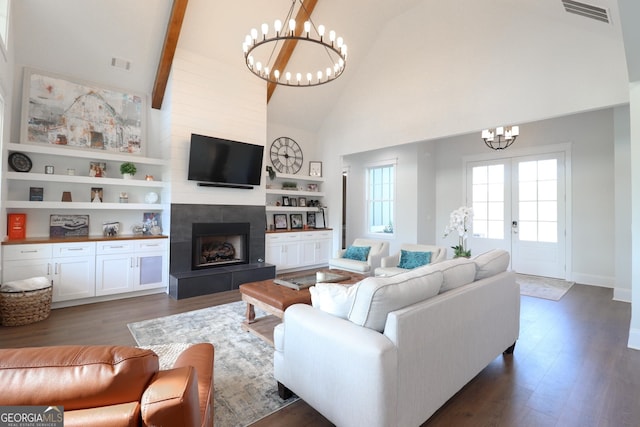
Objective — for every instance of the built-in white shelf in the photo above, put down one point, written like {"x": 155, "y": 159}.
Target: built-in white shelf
{"x": 291, "y": 209}
{"x": 83, "y": 205}
{"x": 30, "y": 176}
{"x": 58, "y": 150}
{"x": 295, "y": 193}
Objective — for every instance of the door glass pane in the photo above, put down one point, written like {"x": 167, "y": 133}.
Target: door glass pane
{"x": 480, "y": 193}
{"x": 528, "y": 211}
{"x": 547, "y": 211}
{"x": 496, "y": 229}
{"x": 527, "y": 171}
{"x": 548, "y": 170}
{"x": 548, "y": 232}
{"x": 528, "y": 190}
{"x": 548, "y": 190}
{"x": 528, "y": 230}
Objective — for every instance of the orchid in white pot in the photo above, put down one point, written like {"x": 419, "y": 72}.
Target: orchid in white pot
{"x": 460, "y": 222}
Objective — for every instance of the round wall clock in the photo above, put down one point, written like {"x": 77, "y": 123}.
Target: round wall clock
{"x": 286, "y": 155}
{"x": 20, "y": 162}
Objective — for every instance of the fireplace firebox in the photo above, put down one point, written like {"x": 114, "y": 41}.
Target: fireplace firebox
{"x": 219, "y": 244}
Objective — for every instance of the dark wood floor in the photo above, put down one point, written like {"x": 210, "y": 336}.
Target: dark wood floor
{"x": 571, "y": 366}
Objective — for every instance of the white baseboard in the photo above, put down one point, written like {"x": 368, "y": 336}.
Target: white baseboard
{"x": 623, "y": 295}
{"x": 634, "y": 339}
{"x": 591, "y": 279}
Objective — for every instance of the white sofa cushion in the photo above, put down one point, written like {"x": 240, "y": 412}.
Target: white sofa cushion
{"x": 491, "y": 263}
{"x": 456, "y": 272}
{"x": 350, "y": 265}
{"x": 333, "y": 298}
{"x": 377, "y": 296}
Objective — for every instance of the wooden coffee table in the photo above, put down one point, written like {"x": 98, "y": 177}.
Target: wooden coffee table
{"x": 274, "y": 300}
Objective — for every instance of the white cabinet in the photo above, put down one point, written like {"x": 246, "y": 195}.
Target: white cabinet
{"x": 71, "y": 267}
{"x": 296, "y": 250}
{"x": 131, "y": 265}
{"x": 73, "y": 270}
{"x": 316, "y": 247}
{"x": 114, "y": 267}
{"x": 25, "y": 261}
{"x": 151, "y": 264}
{"x": 91, "y": 268}
{"x": 283, "y": 250}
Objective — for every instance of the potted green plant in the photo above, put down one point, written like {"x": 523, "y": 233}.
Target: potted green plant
{"x": 128, "y": 169}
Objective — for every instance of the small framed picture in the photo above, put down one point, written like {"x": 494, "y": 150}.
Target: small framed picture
{"x": 96, "y": 194}
{"x": 296, "y": 221}
{"x": 280, "y": 221}
{"x": 315, "y": 168}
{"x": 294, "y": 202}
{"x": 97, "y": 169}
{"x": 36, "y": 194}
{"x": 311, "y": 219}
{"x": 110, "y": 229}
{"x": 285, "y": 201}
{"x": 320, "y": 219}
{"x": 302, "y": 202}
{"x": 312, "y": 187}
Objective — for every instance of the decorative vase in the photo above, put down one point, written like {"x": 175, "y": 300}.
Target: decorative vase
{"x": 127, "y": 176}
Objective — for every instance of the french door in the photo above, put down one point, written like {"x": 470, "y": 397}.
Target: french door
{"x": 519, "y": 205}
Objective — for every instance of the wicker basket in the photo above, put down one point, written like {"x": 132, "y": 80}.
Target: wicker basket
{"x": 25, "y": 307}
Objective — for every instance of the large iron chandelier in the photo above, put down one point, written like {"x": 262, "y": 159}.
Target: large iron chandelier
{"x": 500, "y": 137}
{"x": 261, "y": 57}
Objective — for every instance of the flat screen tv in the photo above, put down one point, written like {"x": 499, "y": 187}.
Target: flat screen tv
{"x": 224, "y": 163}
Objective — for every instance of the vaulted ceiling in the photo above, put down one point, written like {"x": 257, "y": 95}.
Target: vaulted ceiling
{"x": 80, "y": 38}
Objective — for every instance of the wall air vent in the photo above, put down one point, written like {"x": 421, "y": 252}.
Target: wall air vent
{"x": 121, "y": 63}
{"x": 586, "y": 10}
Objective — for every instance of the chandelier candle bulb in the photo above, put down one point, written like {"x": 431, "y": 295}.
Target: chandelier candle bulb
{"x": 292, "y": 26}
{"x": 265, "y": 30}
{"x": 307, "y": 27}
{"x": 277, "y": 26}
{"x": 321, "y": 31}
{"x": 254, "y": 34}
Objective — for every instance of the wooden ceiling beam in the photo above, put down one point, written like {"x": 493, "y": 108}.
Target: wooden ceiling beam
{"x": 168, "y": 51}
{"x": 304, "y": 13}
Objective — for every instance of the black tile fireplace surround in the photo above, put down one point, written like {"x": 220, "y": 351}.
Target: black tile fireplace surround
{"x": 184, "y": 280}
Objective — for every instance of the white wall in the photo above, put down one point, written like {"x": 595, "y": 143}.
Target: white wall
{"x": 212, "y": 98}
{"x": 414, "y": 189}
{"x": 622, "y": 170}
{"x": 634, "y": 330}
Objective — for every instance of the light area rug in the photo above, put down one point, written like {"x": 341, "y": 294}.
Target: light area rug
{"x": 244, "y": 387}
{"x": 543, "y": 287}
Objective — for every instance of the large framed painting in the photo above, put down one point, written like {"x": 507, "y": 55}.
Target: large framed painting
{"x": 62, "y": 111}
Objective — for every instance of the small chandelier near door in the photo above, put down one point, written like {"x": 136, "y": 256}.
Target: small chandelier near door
{"x": 262, "y": 59}
{"x": 500, "y": 137}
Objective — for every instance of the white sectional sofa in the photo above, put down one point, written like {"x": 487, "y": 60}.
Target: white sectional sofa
{"x": 401, "y": 346}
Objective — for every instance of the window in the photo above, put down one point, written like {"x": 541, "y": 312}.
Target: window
{"x": 380, "y": 197}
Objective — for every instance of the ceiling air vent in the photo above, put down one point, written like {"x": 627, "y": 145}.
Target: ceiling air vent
{"x": 586, "y": 10}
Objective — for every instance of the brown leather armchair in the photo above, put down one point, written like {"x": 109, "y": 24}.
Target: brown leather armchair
{"x": 111, "y": 385}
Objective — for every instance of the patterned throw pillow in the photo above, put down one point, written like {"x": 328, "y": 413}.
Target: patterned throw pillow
{"x": 358, "y": 253}
{"x": 410, "y": 259}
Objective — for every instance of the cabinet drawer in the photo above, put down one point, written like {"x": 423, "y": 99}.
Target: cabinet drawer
{"x": 282, "y": 238}
{"x": 74, "y": 249}
{"x": 151, "y": 245}
{"x": 117, "y": 247}
{"x": 20, "y": 252}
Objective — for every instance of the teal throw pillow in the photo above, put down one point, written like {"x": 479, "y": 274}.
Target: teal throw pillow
{"x": 411, "y": 259}
{"x": 358, "y": 253}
